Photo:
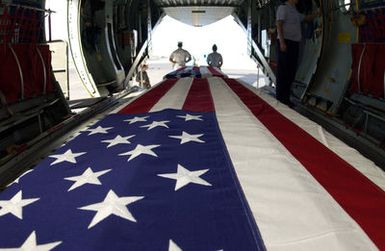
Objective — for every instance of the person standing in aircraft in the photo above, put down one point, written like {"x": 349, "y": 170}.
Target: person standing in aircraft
{"x": 179, "y": 57}
{"x": 289, "y": 37}
{"x": 215, "y": 59}
{"x": 142, "y": 77}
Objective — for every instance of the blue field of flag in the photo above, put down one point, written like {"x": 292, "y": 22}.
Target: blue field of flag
{"x": 156, "y": 181}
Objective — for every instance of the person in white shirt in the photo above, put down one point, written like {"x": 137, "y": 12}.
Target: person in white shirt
{"x": 289, "y": 36}
{"x": 215, "y": 59}
{"x": 179, "y": 57}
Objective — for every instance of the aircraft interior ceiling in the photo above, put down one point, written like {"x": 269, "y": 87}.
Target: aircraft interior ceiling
{"x": 172, "y": 3}
{"x": 339, "y": 81}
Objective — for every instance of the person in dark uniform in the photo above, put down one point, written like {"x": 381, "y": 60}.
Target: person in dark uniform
{"x": 289, "y": 36}
{"x": 215, "y": 59}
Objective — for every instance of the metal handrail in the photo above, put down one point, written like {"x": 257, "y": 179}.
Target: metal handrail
{"x": 359, "y": 68}
{"x": 367, "y": 113}
{"x": 17, "y": 20}
{"x": 136, "y": 63}
{"x": 44, "y": 70}
{"x": 67, "y": 63}
{"x": 140, "y": 54}
{"x": 265, "y": 64}
{"x": 20, "y": 71}
{"x": 27, "y": 7}
{"x": 260, "y": 57}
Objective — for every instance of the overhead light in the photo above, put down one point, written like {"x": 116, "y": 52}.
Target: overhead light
{"x": 198, "y": 11}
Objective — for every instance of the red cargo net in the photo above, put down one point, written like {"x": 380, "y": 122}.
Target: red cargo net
{"x": 25, "y": 70}
{"x": 20, "y": 25}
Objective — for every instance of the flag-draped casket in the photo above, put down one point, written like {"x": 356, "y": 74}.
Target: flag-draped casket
{"x": 198, "y": 163}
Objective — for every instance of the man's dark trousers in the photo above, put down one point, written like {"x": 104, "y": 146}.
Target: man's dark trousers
{"x": 287, "y": 68}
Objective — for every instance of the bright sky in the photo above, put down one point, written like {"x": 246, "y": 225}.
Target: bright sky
{"x": 226, "y": 34}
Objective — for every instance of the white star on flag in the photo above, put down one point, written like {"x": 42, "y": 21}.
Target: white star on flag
{"x": 140, "y": 149}
{"x": 185, "y": 137}
{"x": 99, "y": 129}
{"x": 75, "y": 135}
{"x": 189, "y": 117}
{"x": 172, "y": 246}
{"x": 17, "y": 180}
{"x": 156, "y": 124}
{"x": 31, "y": 244}
{"x": 112, "y": 204}
{"x": 88, "y": 177}
{"x": 137, "y": 119}
{"x": 15, "y": 205}
{"x": 68, "y": 156}
{"x": 118, "y": 140}
{"x": 184, "y": 177}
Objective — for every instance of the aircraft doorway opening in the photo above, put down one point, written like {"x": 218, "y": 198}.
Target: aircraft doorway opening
{"x": 67, "y": 22}
{"x": 229, "y": 37}
{"x": 62, "y": 62}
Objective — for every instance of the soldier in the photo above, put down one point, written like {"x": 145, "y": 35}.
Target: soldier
{"x": 215, "y": 59}
{"x": 179, "y": 57}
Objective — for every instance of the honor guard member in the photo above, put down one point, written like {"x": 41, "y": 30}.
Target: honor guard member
{"x": 215, "y": 59}
{"x": 179, "y": 57}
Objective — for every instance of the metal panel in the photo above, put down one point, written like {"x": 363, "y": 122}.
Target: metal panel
{"x": 75, "y": 43}
{"x": 173, "y": 3}
{"x": 232, "y": 3}
{"x": 198, "y": 12}
{"x": 198, "y": 15}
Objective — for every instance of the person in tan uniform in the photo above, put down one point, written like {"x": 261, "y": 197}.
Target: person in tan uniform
{"x": 179, "y": 57}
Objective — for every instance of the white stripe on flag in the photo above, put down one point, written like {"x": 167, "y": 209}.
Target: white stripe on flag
{"x": 350, "y": 155}
{"x": 204, "y": 71}
{"x": 174, "y": 98}
{"x": 292, "y": 210}
{"x": 133, "y": 96}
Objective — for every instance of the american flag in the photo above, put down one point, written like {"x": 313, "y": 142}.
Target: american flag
{"x": 196, "y": 164}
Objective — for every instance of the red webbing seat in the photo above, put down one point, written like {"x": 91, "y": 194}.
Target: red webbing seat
{"x": 9, "y": 76}
{"x": 368, "y": 69}
{"x": 25, "y": 70}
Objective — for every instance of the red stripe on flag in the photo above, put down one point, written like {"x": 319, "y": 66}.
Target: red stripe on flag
{"x": 199, "y": 98}
{"x": 148, "y": 100}
{"x": 358, "y": 196}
